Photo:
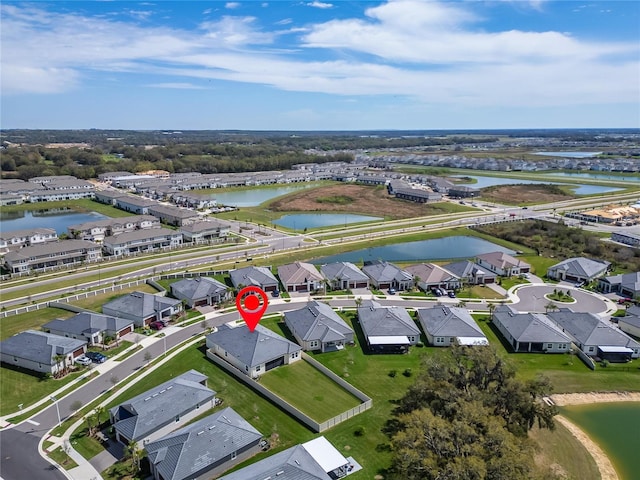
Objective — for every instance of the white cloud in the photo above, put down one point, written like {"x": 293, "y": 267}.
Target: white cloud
{"x": 232, "y": 5}
{"x": 433, "y": 53}
{"x": 317, "y": 4}
{"x": 176, "y": 85}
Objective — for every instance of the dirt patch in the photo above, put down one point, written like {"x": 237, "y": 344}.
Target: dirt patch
{"x": 359, "y": 199}
{"x": 518, "y": 194}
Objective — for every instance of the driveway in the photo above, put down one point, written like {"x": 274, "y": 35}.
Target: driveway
{"x": 531, "y": 298}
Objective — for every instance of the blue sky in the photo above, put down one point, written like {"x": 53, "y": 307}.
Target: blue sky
{"x": 320, "y": 65}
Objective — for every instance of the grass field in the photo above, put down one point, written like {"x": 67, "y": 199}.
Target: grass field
{"x": 13, "y": 324}
{"x": 314, "y": 394}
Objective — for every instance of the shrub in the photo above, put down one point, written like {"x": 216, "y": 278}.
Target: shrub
{"x": 393, "y": 373}
{"x": 407, "y": 372}
{"x": 359, "y": 432}
{"x": 420, "y": 344}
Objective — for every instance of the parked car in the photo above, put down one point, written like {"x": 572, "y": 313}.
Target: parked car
{"x": 157, "y": 325}
{"x": 451, "y": 294}
{"x": 275, "y": 293}
{"x": 625, "y": 300}
{"x": 96, "y": 357}
{"x": 82, "y": 360}
{"x": 392, "y": 291}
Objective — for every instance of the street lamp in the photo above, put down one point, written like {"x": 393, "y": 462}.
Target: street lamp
{"x": 165, "y": 344}
{"x": 55, "y": 400}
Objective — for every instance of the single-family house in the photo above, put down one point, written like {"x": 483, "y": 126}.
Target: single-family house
{"x": 199, "y": 291}
{"x": 254, "y": 276}
{"x": 387, "y": 329}
{"x": 386, "y": 275}
{"x": 253, "y": 353}
{"x": 91, "y": 327}
{"x": 625, "y": 284}
{"x": 445, "y": 326}
{"x": 300, "y": 277}
{"x": 530, "y": 332}
{"x": 314, "y": 460}
{"x": 471, "y": 273}
{"x": 143, "y": 308}
{"x": 316, "y": 326}
{"x": 630, "y": 323}
{"x": 502, "y": 264}
{"x": 218, "y": 442}
{"x": 40, "y": 351}
{"x": 162, "y": 409}
{"x": 596, "y": 337}
{"x": 430, "y": 275}
{"x": 578, "y": 270}
{"x": 344, "y": 276}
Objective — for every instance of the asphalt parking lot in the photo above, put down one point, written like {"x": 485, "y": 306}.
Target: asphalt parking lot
{"x": 531, "y": 298}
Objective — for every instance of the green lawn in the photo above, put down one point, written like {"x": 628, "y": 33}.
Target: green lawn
{"x": 21, "y": 386}
{"x": 566, "y": 372}
{"x": 314, "y": 394}
{"x": 13, "y": 324}
{"x": 95, "y": 302}
{"x": 61, "y": 458}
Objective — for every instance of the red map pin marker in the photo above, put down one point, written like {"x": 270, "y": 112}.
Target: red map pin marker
{"x": 251, "y": 311}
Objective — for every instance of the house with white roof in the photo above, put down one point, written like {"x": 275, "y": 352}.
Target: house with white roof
{"x": 314, "y": 460}
{"x": 445, "y": 326}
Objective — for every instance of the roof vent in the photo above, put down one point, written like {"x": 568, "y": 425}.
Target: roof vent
{"x": 200, "y": 433}
{"x": 211, "y": 427}
{"x": 148, "y": 398}
{"x": 169, "y": 387}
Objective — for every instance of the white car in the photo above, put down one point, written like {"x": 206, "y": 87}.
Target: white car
{"x": 82, "y": 360}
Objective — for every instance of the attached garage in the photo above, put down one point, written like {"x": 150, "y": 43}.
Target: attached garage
{"x": 274, "y": 363}
{"x": 124, "y": 331}
{"x": 78, "y": 352}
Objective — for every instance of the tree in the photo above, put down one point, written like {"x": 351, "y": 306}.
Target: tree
{"x": 467, "y": 417}
{"x": 133, "y": 452}
{"x": 492, "y": 307}
{"x": 99, "y": 411}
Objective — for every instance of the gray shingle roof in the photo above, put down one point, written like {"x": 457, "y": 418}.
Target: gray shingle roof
{"x": 343, "y": 271}
{"x": 383, "y": 272}
{"x": 317, "y": 321}
{"x": 39, "y": 347}
{"x": 588, "y": 329}
{"x": 466, "y": 268}
{"x": 379, "y": 321}
{"x": 149, "y": 411}
{"x": 295, "y": 463}
{"x": 51, "y": 248}
{"x": 529, "y": 327}
{"x": 198, "y": 287}
{"x": 87, "y": 322}
{"x": 140, "y": 304}
{"x": 502, "y": 260}
{"x": 189, "y": 450}
{"x": 581, "y": 267}
{"x": 627, "y": 281}
{"x": 256, "y": 276}
{"x": 449, "y": 322}
{"x": 252, "y": 348}
{"x": 144, "y": 234}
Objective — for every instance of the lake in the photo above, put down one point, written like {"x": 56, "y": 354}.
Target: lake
{"x": 569, "y": 154}
{"x": 482, "y": 182}
{"x": 595, "y": 176}
{"x": 422, "y": 250}
{"x": 58, "y": 220}
{"x": 252, "y": 197}
{"x": 614, "y": 427}
{"x": 316, "y": 220}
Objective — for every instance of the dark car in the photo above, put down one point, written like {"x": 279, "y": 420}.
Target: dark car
{"x": 96, "y": 357}
{"x": 157, "y": 325}
{"x": 451, "y": 294}
{"x": 275, "y": 293}
{"x": 392, "y": 291}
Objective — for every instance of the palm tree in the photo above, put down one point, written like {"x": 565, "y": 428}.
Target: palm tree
{"x": 60, "y": 359}
{"x": 134, "y": 452}
{"x": 550, "y": 307}
{"x": 99, "y": 411}
{"x": 492, "y": 307}
{"x": 461, "y": 304}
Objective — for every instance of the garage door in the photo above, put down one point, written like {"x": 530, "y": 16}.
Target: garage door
{"x": 126, "y": 330}
{"x": 78, "y": 352}
{"x": 274, "y": 363}
{"x": 301, "y": 288}
{"x": 361, "y": 285}
{"x": 489, "y": 280}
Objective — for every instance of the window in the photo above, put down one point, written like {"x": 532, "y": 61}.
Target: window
{"x": 549, "y": 345}
{"x": 258, "y": 368}
{"x": 234, "y": 455}
{"x": 177, "y": 418}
